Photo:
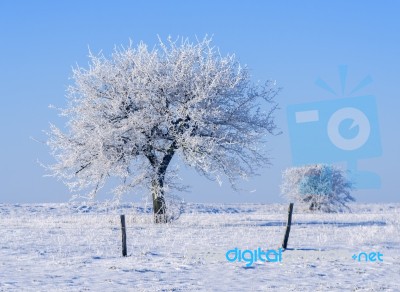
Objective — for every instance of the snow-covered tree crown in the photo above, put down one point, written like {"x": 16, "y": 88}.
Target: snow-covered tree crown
{"x": 130, "y": 114}
{"x": 320, "y": 187}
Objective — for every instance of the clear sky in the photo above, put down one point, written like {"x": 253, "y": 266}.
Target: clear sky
{"x": 293, "y": 42}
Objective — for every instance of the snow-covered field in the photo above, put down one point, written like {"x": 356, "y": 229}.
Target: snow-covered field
{"x": 76, "y": 247}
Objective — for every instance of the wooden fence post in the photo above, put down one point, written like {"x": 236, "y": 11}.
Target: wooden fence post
{"x": 289, "y": 223}
{"x": 123, "y": 230}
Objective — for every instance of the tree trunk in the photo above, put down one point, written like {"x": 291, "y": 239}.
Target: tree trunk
{"x": 159, "y": 208}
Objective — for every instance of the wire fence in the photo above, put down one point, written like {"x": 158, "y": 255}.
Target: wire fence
{"x": 68, "y": 233}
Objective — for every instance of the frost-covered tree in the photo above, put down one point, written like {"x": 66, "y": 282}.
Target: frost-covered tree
{"x": 130, "y": 114}
{"x": 321, "y": 187}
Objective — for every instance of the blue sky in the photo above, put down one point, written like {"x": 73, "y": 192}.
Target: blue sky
{"x": 293, "y": 42}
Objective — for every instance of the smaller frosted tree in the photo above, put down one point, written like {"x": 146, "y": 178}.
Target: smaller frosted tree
{"x": 321, "y": 187}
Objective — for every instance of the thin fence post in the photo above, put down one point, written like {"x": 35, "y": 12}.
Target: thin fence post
{"x": 289, "y": 223}
{"x": 123, "y": 231}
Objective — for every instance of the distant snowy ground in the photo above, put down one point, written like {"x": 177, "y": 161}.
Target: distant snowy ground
{"x": 75, "y": 247}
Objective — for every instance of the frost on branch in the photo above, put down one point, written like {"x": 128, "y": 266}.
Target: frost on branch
{"x": 130, "y": 114}
{"x": 320, "y": 187}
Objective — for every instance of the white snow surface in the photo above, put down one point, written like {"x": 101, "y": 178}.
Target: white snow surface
{"x": 77, "y": 247}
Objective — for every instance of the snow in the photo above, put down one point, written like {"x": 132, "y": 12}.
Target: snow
{"x": 77, "y": 247}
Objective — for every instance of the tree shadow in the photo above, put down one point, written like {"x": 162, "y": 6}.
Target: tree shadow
{"x": 343, "y": 224}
